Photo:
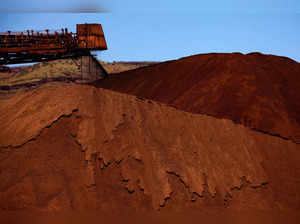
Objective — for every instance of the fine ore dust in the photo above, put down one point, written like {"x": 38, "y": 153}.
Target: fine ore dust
{"x": 80, "y": 148}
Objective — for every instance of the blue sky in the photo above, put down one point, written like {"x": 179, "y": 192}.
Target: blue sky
{"x": 160, "y": 30}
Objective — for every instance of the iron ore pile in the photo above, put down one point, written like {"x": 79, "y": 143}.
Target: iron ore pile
{"x": 210, "y": 132}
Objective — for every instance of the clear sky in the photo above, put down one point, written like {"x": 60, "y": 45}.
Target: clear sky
{"x": 159, "y": 30}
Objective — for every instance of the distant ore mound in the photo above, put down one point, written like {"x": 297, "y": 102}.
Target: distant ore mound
{"x": 259, "y": 91}
{"x": 76, "y": 147}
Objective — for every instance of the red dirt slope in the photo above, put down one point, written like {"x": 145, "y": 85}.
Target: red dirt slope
{"x": 256, "y": 90}
{"x": 80, "y": 148}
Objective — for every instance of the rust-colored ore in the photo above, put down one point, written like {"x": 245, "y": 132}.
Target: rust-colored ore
{"x": 79, "y": 148}
{"x": 256, "y": 90}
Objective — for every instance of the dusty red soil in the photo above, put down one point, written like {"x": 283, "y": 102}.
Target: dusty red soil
{"x": 72, "y": 147}
{"x": 256, "y": 90}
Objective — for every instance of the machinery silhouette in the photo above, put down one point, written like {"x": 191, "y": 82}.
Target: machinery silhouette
{"x": 37, "y": 46}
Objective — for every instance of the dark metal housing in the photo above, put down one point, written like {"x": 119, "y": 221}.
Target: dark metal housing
{"x": 33, "y": 46}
